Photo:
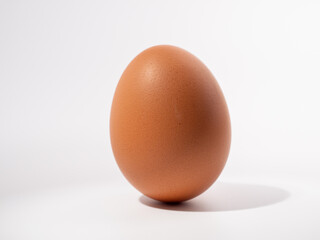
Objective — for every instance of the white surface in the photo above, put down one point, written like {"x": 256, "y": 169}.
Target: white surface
{"x": 59, "y": 65}
{"x": 227, "y": 211}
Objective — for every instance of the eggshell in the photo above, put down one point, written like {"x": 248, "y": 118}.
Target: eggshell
{"x": 169, "y": 126}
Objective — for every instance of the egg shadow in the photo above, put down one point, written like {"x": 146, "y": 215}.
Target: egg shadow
{"x": 225, "y": 197}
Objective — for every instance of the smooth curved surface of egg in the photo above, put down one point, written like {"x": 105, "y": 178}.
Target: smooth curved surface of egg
{"x": 169, "y": 125}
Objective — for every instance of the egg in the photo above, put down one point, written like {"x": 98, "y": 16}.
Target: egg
{"x": 169, "y": 125}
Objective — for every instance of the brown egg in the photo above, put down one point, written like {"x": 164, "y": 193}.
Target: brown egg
{"x": 169, "y": 126}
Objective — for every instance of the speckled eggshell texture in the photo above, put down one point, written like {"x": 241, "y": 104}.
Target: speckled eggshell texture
{"x": 169, "y": 125}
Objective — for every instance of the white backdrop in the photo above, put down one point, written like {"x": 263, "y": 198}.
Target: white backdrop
{"x": 60, "y": 62}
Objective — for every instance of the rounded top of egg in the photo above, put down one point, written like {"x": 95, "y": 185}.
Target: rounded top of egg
{"x": 169, "y": 125}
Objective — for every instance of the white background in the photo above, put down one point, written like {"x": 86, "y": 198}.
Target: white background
{"x": 59, "y": 65}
